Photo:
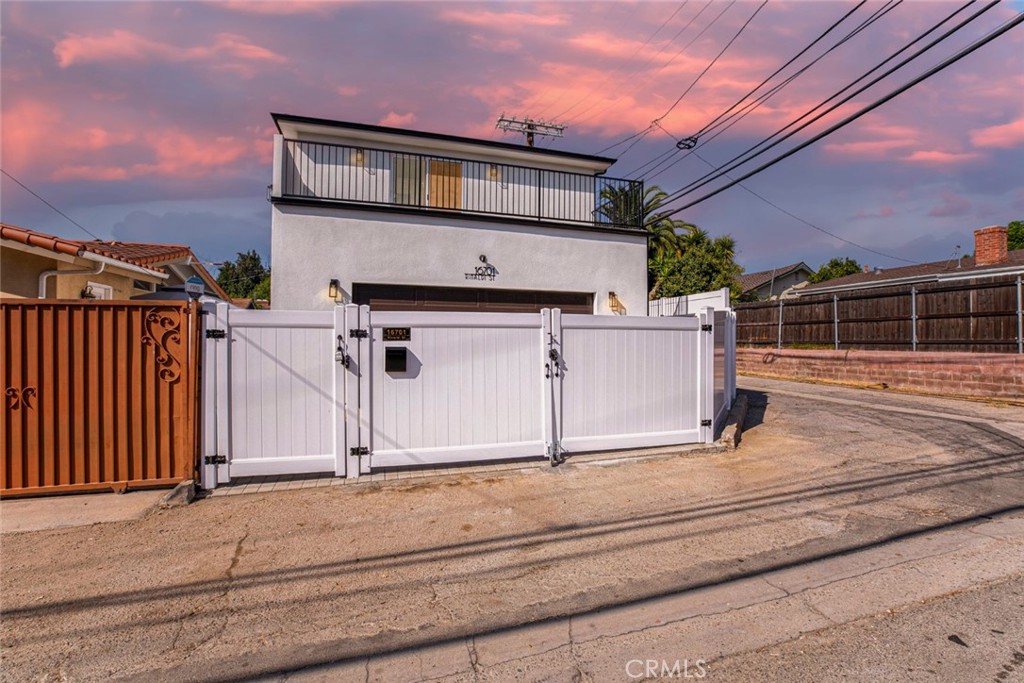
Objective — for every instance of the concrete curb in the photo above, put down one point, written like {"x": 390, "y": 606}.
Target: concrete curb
{"x": 733, "y": 428}
{"x": 181, "y": 495}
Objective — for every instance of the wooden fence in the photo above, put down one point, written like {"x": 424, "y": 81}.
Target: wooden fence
{"x": 98, "y": 395}
{"x": 971, "y": 315}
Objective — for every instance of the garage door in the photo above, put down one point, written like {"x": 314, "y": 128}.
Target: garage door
{"x": 416, "y": 298}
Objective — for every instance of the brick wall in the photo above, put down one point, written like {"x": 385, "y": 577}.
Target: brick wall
{"x": 991, "y": 375}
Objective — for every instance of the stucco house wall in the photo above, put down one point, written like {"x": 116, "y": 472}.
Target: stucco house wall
{"x": 311, "y": 245}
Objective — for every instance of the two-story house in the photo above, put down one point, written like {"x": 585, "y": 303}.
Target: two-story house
{"x": 407, "y": 220}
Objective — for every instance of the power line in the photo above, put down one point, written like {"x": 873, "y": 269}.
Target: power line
{"x": 747, "y": 109}
{"x": 34, "y": 194}
{"x": 635, "y": 53}
{"x": 750, "y": 154}
{"x": 808, "y": 223}
{"x": 713, "y": 61}
{"x": 638, "y": 85}
{"x": 984, "y": 40}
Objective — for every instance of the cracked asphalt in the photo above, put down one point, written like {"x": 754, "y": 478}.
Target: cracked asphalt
{"x": 838, "y": 501}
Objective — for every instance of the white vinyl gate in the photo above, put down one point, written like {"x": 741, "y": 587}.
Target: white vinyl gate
{"x": 349, "y": 391}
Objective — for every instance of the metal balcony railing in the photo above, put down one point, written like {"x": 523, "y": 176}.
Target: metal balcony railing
{"x": 362, "y": 175}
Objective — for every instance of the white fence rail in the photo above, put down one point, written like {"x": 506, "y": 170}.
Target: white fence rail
{"x": 691, "y": 304}
{"x": 350, "y": 391}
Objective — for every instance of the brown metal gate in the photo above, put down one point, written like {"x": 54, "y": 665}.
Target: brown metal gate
{"x": 97, "y": 395}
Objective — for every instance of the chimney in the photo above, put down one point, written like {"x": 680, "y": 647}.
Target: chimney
{"x": 990, "y": 246}
{"x": 867, "y": 269}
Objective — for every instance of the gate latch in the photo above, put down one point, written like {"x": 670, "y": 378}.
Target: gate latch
{"x": 215, "y": 460}
{"x": 706, "y": 328}
{"x": 216, "y": 334}
{"x": 359, "y": 450}
{"x": 705, "y": 423}
{"x": 358, "y": 334}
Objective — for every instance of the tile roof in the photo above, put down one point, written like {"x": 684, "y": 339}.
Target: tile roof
{"x": 751, "y": 281}
{"x": 921, "y": 270}
{"x": 141, "y": 254}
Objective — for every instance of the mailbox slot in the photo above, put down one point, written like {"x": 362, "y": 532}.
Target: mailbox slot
{"x": 396, "y": 359}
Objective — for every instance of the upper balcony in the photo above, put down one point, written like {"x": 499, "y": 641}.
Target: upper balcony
{"x": 349, "y": 174}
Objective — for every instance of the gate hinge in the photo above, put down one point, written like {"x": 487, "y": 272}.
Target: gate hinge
{"x": 358, "y": 334}
{"x": 359, "y": 450}
{"x": 705, "y": 423}
{"x": 216, "y": 334}
{"x": 706, "y": 328}
{"x": 215, "y": 460}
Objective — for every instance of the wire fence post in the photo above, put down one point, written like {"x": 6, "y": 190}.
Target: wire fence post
{"x": 913, "y": 318}
{"x": 780, "y": 322}
{"x": 836, "y": 319}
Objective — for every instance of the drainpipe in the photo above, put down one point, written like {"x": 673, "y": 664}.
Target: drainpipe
{"x": 45, "y": 275}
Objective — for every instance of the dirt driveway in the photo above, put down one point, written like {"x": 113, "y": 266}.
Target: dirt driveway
{"x": 235, "y": 587}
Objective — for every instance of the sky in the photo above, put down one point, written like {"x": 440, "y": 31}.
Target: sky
{"x": 150, "y": 121}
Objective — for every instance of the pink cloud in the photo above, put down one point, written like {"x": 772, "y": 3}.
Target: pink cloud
{"x": 868, "y": 149}
{"x": 1006, "y": 136}
{"x": 274, "y": 7}
{"x": 883, "y": 212}
{"x": 939, "y": 157}
{"x": 121, "y": 45}
{"x": 348, "y": 90}
{"x": 397, "y": 120}
{"x": 504, "y": 21}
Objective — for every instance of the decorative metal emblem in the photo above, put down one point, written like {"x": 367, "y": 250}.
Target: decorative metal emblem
{"x": 484, "y": 272}
{"x": 161, "y": 329}
{"x": 19, "y": 398}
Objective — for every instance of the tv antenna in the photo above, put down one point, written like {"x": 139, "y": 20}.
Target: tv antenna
{"x": 530, "y": 127}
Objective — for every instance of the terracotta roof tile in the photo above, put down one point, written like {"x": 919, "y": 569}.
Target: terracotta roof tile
{"x": 142, "y": 254}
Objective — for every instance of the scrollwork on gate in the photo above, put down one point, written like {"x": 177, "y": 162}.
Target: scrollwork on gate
{"x": 19, "y": 398}
{"x": 163, "y": 328}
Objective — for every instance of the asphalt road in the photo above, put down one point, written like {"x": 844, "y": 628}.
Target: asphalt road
{"x": 285, "y": 584}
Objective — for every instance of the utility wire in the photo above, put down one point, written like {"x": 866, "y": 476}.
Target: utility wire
{"x": 34, "y": 194}
{"x": 713, "y": 61}
{"x": 981, "y": 42}
{"x": 782, "y": 68}
{"x": 808, "y": 223}
{"x": 635, "y": 53}
{"x": 750, "y": 154}
{"x": 747, "y": 109}
{"x": 639, "y": 84}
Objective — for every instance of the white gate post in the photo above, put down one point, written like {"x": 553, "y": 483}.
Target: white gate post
{"x": 210, "y": 398}
{"x": 223, "y": 392}
{"x": 365, "y": 365}
{"x": 706, "y": 383}
{"x": 340, "y": 394}
{"x": 350, "y": 390}
{"x": 554, "y": 366}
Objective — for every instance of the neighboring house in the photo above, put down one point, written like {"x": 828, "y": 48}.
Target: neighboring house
{"x": 36, "y": 265}
{"x": 771, "y": 284}
{"x": 405, "y": 220}
{"x": 991, "y": 259}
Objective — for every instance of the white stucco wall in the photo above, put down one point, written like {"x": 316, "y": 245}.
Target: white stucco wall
{"x": 312, "y": 245}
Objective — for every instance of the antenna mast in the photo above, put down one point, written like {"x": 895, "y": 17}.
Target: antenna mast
{"x": 530, "y": 127}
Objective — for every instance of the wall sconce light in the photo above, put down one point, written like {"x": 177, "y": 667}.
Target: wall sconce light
{"x": 332, "y": 289}
{"x": 359, "y": 157}
{"x": 87, "y": 292}
{"x": 493, "y": 172}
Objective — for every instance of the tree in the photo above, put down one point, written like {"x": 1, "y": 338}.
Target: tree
{"x": 243, "y": 275}
{"x": 681, "y": 257}
{"x": 704, "y": 265}
{"x": 837, "y": 267}
{"x": 1015, "y": 235}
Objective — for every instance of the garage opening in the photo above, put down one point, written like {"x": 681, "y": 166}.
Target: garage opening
{"x": 418, "y": 298}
